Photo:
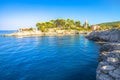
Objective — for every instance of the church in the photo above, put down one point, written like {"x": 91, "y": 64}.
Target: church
{"x": 85, "y": 25}
{"x": 93, "y": 27}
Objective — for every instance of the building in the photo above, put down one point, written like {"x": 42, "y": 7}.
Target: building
{"x": 85, "y": 25}
{"x": 94, "y": 27}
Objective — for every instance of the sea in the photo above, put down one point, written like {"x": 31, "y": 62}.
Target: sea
{"x": 48, "y": 57}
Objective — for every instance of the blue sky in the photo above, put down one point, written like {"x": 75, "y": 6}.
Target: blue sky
{"x": 26, "y": 13}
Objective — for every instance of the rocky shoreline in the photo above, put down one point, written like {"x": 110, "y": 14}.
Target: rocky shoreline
{"x": 107, "y": 35}
{"x": 109, "y": 59}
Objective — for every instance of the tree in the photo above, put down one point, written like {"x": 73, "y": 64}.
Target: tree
{"x": 69, "y": 23}
{"x": 60, "y": 24}
{"x": 77, "y": 24}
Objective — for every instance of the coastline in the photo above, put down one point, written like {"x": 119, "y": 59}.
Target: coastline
{"x": 48, "y": 33}
{"x": 109, "y": 59}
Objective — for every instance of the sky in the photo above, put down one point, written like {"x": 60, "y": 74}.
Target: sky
{"x": 16, "y": 14}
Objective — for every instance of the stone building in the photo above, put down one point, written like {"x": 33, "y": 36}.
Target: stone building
{"x": 85, "y": 25}
{"x": 94, "y": 27}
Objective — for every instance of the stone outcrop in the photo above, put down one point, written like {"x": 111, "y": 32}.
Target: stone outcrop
{"x": 107, "y": 35}
{"x": 109, "y": 62}
{"x": 109, "y": 59}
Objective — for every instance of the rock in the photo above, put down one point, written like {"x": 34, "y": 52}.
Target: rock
{"x": 107, "y": 67}
{"x": 109, "y": 59}
{"x": 103, "y": 76}
{"x": 115, "y": 73}
{"x": 108, "y": 35}
{"x": 110, "y": 47}
{"x": 112, "y": 60}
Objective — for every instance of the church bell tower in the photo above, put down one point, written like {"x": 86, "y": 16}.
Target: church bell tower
{"x": 85, "y": 24}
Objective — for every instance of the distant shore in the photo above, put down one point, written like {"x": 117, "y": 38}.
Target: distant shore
{"x": 48, "y": 33}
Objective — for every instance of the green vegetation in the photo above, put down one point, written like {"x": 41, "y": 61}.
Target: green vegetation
{"x": 110, "y": 25}
{"x": 31, "y": 29}
{"x": 60, "y": 24}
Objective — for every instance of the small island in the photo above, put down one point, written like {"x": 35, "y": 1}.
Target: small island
{"x": 58, "y": 27}
{"x": 62, "y": 27}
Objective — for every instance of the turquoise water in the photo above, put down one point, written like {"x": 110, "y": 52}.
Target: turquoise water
{"x": 48, "y": 58}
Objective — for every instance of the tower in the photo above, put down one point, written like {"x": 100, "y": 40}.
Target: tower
{"x": 85, "y": 24}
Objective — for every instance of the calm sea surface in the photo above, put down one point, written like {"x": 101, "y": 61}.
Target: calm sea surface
{"x": 48, "y": 58}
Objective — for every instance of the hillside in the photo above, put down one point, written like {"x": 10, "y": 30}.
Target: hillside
{"x": 110, "y": 25}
